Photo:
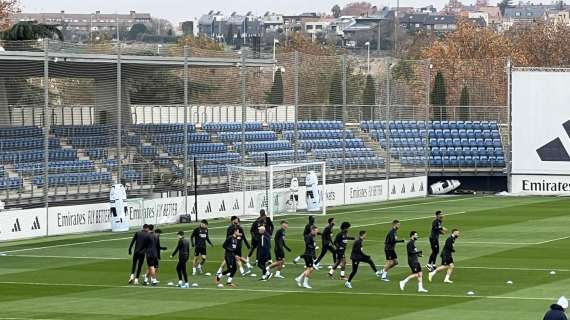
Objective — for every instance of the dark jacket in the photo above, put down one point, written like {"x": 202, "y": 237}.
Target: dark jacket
{"x": 555, "y": 313}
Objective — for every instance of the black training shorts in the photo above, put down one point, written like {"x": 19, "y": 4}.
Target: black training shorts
{"x": 199, "y": 252}
{"x": 391, "y": 254}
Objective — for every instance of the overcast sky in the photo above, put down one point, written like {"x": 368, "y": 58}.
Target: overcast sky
{"x": 180, "y": 10}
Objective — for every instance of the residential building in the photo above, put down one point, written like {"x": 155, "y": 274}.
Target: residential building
{"x": 525, "y": 14}
{"x": 338, "y": 25}
{"x": 213, "y": 25}
{"x": 435, "y": 23}
{"x": 559, "y": 17}
{"x": 272, "y": 22}
{"x": 297, "y": 23}
{"x": 79, "y": 26}
{"x": 368, "y": 29}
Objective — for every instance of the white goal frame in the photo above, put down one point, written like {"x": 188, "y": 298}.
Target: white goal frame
{"x": 270, "y": 170}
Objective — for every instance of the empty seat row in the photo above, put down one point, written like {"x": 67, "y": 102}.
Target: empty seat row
{"x": 84, "y": 130}
{"x": 38, "y": 155}
{"x": 398, "y": 152}
{"x": 10, "y": 183}
{"x": 2, "y": 172}
{"x": 351, "y": 163}
{"x": 467, "y": 161}
{"x": 226, "y": 157}
{"x": 97, "y": 153}
{"x": 349, "y": 153}
{"x": 232, "y": 126}
{"x": 403, "y": 142}
{"x": 330, "y": 144}
{"x": 55, "y": 166}
{"x": 74, "y": 178}
{"x": 306, "y": 125}
{"x": 462, "y": 133}
{"x": 414, "y": 161}
{"x": 196, "y": 148}
{"x": 441, "y": 125}
{"x": 131, "y": 175}
{"x": 93, "y": 141}
{"x": 18, "y": 132}
{"x": 194, "y": 137}
{"x": 152, "y": 128}
{"x": 279, "y": 155}
{"x": 211, "y": 170}
{"x": 148, "y": 151}
{"x": 466, "y": 151}
{"x": 318, "y": 134}
{"x": 397, "y": 124}
{"x": 249, "y": 136}
{"x": 479, "y": 142}
{"x": 27, "y": 143}
{"x": 264, "y": 145}
{"x": 466, "y": 125}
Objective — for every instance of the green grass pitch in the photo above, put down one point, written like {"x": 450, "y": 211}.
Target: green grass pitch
{"x": 516, "y": 239}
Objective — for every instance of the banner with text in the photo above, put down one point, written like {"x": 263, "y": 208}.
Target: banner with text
{"x": 31, "y": 223}
{"x": 541, "y": 185}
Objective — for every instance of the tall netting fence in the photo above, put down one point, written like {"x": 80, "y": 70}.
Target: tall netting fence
{"x": 169, "y": 120}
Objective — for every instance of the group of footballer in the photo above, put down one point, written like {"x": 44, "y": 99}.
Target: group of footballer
{"x": 147, "y": 246}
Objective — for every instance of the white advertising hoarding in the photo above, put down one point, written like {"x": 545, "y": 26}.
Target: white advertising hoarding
{"x": 540, "y": 123}
{"x": 22, "y": 224}
{"x": 541, "y": 185}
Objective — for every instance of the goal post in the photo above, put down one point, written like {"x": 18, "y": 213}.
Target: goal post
{"x": 284, "y": 188}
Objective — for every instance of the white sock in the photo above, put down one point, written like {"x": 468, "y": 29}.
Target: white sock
{"x": 300, "y": 277}
{"x": 447, "y": 277}
{"x": 230, "y": 279}
{"x": 331, "y": 272}
{"x": 408, "y": 279}
{"x": 297, "y": 259}
{"x": 153, "y": 280}
{"x": 248, "y": 265}
{"x": 306, "y": 281}
{"x": 186, "y": 284}
{"x": 241, "y": 270}
{"x": 342, "y": 274}
{"x": 420, "y": 286}
{"x": 180, "y": 282}
{"x": 277, "y": 273}
{"x": 219, "y": 270}
{"x": 132, "y": 276}
{"x": 193, "y": 270}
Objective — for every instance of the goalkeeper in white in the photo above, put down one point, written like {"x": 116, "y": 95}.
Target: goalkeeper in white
{"x": 294, "y": 195}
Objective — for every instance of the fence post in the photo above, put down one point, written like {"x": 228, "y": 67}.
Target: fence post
{"x": 186, "y": 91}
{"x": 343, "y": 72}
{"x": 46, "y": 131}
{"x": 119, "y": 114}
{"x": 388, "y": 115}
{"x": 243, "y": 105}
{"x": 509, "y": 125}
{"x": 427, "y": 119}
{"x": 296, "y": 106}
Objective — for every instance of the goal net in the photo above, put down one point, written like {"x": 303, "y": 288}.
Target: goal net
{"x": 280, "y": 188}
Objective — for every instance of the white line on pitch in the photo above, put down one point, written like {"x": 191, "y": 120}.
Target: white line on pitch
{"x": 11, "y": 318}
{"x": 345, "y": 292}
{"x": 216, "y": 261}
{"x": 557, "y": 239}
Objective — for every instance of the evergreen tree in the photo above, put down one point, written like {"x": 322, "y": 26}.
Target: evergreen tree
{"x": 335, "y": 90}
{"x": 275, "y": 96}
{"x": 368, "y": 97}
{"x": 464, "y": 104}
{"x": 438, "y": 97}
